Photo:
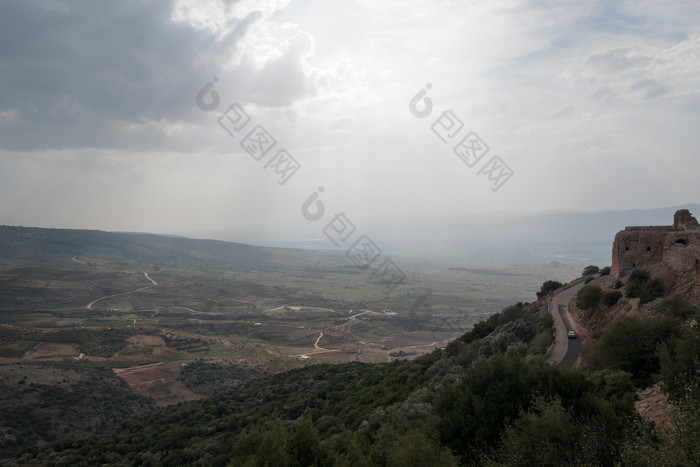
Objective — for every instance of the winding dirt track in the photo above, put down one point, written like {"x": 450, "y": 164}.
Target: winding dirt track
{"x": 317, "y": 341}
{"x": 145, "y": 274}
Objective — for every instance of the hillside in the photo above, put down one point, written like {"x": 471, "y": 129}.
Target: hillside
{"x": 150, "y": 250}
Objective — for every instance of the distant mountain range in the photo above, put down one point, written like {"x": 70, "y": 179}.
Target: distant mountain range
{"x": 506, "y": 238}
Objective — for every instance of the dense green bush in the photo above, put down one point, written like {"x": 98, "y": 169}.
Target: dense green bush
{"x": 680, "y": 363}
{"x": 474, "y": 413}
{"x": 588, "y": 270}
{"x": 512, "y": 313}
{"x": 641, "y": 285}
{"x": 676, "y": 306}
{"x": 611, "y": 298}
{"x": 630, "y": 344}
{"x": 548, "y": 287}
{"x": 511, "y": 333}
{"x": 588, "y": 297}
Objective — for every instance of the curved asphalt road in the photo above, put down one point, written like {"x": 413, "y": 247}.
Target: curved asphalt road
{"x": 565, "y": 351}
{"x": 573, "y": 346}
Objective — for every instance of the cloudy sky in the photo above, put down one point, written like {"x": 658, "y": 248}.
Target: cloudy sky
{"x": 152, "y": 115}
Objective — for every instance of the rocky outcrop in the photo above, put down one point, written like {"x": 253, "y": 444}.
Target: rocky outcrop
{"x": 671, "y": 253}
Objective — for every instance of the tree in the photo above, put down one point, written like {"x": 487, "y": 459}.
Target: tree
{"x": 680, "y": 362}
{"x": 588, "y": 296}
{"x": 676, "y": 306}
{"x": 651, "y": 290}
{"x": 611, "y": 298}
{"x": 544, "y": 435}
{"x": 548, "y": 287}
{"x": 589, "y": 270}
{"x": 304, "y": 443}
{"x": 513, "y": 332}
{"x": 473, "y": 412}
{"x": 272, "y": 448}
{"x": 630, "y": 344}
{"x": 416, "y": 450}
{"x": 511, "y": 313}
{"x": 261, "y": 446}
{"x": 643, "y": 286}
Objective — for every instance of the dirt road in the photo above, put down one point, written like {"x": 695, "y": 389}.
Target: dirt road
{"x": 89, "y": 307}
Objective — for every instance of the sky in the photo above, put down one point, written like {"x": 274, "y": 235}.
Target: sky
{"x": 182, "y": 116}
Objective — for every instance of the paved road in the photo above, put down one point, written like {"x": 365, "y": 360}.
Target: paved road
{"x": 573, "y": 346}
{"x": 565, "y": 351}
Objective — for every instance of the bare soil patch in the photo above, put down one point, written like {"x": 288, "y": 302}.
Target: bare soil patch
{"x": 158, "y": 381}
{"x": 653, "y": 406}
{"x": 49, "y": 351}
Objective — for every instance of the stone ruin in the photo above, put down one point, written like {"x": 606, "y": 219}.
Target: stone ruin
{"x": 671, "y": 253}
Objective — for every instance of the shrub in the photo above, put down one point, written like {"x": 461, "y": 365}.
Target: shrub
{"x": 639, "y": 275}
{"x": 513, "y": 332}
{"x": 643, "y": 286}
{"x": 588, "y": 297}
{"x": 605, "y": 271}
{"x": 511, "y": 313}
{"x": 548, "y": 287}
{"x": 545, "y": 435}
{"x": 676, "y": 306}
{"x": 588, "y": 270}
{"x": 630, "y": 344}
{"x": 611, "y": 298}
{"x": 651, "y": 290}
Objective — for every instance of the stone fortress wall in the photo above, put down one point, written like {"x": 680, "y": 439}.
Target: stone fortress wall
{"x": 671, "y": 253}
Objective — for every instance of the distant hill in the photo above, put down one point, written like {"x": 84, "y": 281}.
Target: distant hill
{"x": 153, "y": 250}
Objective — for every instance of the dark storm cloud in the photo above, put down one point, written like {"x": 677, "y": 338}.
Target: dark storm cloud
{"x": 103, "y": 73}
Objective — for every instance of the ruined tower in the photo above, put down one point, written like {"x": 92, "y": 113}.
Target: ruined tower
{"x": 670, "y": 252}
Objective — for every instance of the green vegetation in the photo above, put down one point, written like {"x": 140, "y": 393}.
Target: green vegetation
{"x": 588, "y": 297}
{"x": 58, "y": 400}
{"x": 641, "y": 285}
{"x": 590, "y": 270}
{"x": 548, "y": 287}
{"x": 680, "y": 364}
{"x": 631, "y": 344}
{"x": 610, "y": 298}
{"x": 209, "y": 378}
{"x": 676, "y": 306}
